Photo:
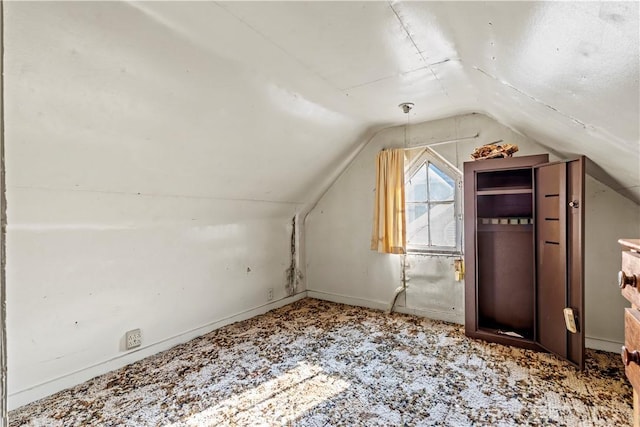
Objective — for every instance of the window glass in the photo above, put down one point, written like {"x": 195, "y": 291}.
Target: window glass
{"x": 432, "y": 206}
{"x": 416, "y": 188}
{"x": 417, "y": 222}
{"x": 441, "y": 185}
{"x": 443, "y": 225}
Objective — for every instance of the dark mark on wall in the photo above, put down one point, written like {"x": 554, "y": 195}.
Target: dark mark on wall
{"x": 294, "y": 276}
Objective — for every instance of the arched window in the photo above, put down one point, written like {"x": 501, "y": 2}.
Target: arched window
{"x": 433, "y": 203}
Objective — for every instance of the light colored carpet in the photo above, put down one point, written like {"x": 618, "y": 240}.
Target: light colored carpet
{"x": 315, "y": 363}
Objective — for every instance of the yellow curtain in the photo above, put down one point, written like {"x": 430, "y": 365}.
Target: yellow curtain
{"x": 389, "y": 227}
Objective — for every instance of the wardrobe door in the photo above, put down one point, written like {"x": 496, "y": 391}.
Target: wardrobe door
{"x": 559, "y": 258}
{"x": 551, "y": 257}
{"x": 575, "y": 257}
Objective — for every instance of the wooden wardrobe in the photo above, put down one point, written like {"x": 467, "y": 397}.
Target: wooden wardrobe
{"x": 523, "y": 235}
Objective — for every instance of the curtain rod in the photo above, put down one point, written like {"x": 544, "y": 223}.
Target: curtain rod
{"x": 431, "y": 144}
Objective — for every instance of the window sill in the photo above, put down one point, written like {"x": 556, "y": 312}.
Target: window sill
{"x": 431, "y": 252}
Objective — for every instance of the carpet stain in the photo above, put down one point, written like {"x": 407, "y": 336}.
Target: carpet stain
{"x": 317, "y": 363}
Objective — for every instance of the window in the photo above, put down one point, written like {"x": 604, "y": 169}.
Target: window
{"x": 432, "y": 193}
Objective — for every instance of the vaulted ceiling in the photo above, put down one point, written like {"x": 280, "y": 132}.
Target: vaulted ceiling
{"x": 268, "y": 97}
{"x": 564, "y": 73}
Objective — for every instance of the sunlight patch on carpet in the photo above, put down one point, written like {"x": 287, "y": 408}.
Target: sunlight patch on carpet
{"x": 282, "y": 399}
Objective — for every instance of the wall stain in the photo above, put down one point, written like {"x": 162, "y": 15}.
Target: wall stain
{"x": 294, "y": 275}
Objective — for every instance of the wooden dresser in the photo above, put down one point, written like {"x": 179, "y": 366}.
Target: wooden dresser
{"x": 628, "y": 280}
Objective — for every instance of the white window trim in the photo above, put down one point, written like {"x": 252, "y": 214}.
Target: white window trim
{"x": 429, "y": 155}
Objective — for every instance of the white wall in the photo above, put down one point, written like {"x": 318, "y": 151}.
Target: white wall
{"x": 608, "y": 217}
{"x": 84, "y": 267}
{"x": 341, "y": 267}
{"x": 137, "y": 195}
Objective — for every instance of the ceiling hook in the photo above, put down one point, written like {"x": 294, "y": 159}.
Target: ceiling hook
{"x": 406, "y": 107}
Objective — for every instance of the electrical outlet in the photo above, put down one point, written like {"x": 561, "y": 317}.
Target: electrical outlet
{"x": 133, "y": 338}
{"x": 270, "y": 294}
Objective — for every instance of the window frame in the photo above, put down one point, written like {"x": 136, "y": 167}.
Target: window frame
{"x": 429, "y": 156}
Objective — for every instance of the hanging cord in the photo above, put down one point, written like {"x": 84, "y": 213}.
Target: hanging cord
{"x": 406, "y": 108}
{"x": 407, "y": 132}
{"x": 400, "y": 289}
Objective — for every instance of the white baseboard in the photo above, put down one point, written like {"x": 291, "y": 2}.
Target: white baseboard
{"x": 458, "y": 318}
{"x": 445, "y": 316}
{"x": 344, "y": 299}
{"x": 378, "y": 305}
{"x": 47, "y": 388}
{"x": 602, "y": 344}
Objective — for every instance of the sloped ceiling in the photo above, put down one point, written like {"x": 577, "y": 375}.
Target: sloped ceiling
{"x": 268, "y": 98}
{"x": 564, "y": 73}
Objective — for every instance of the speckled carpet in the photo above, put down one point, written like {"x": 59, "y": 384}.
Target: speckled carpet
{"x": 315, "y": 363}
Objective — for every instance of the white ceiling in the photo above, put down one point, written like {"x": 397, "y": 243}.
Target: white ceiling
{"x": 564, "y": 73}
{"x": 271, "y": 96}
